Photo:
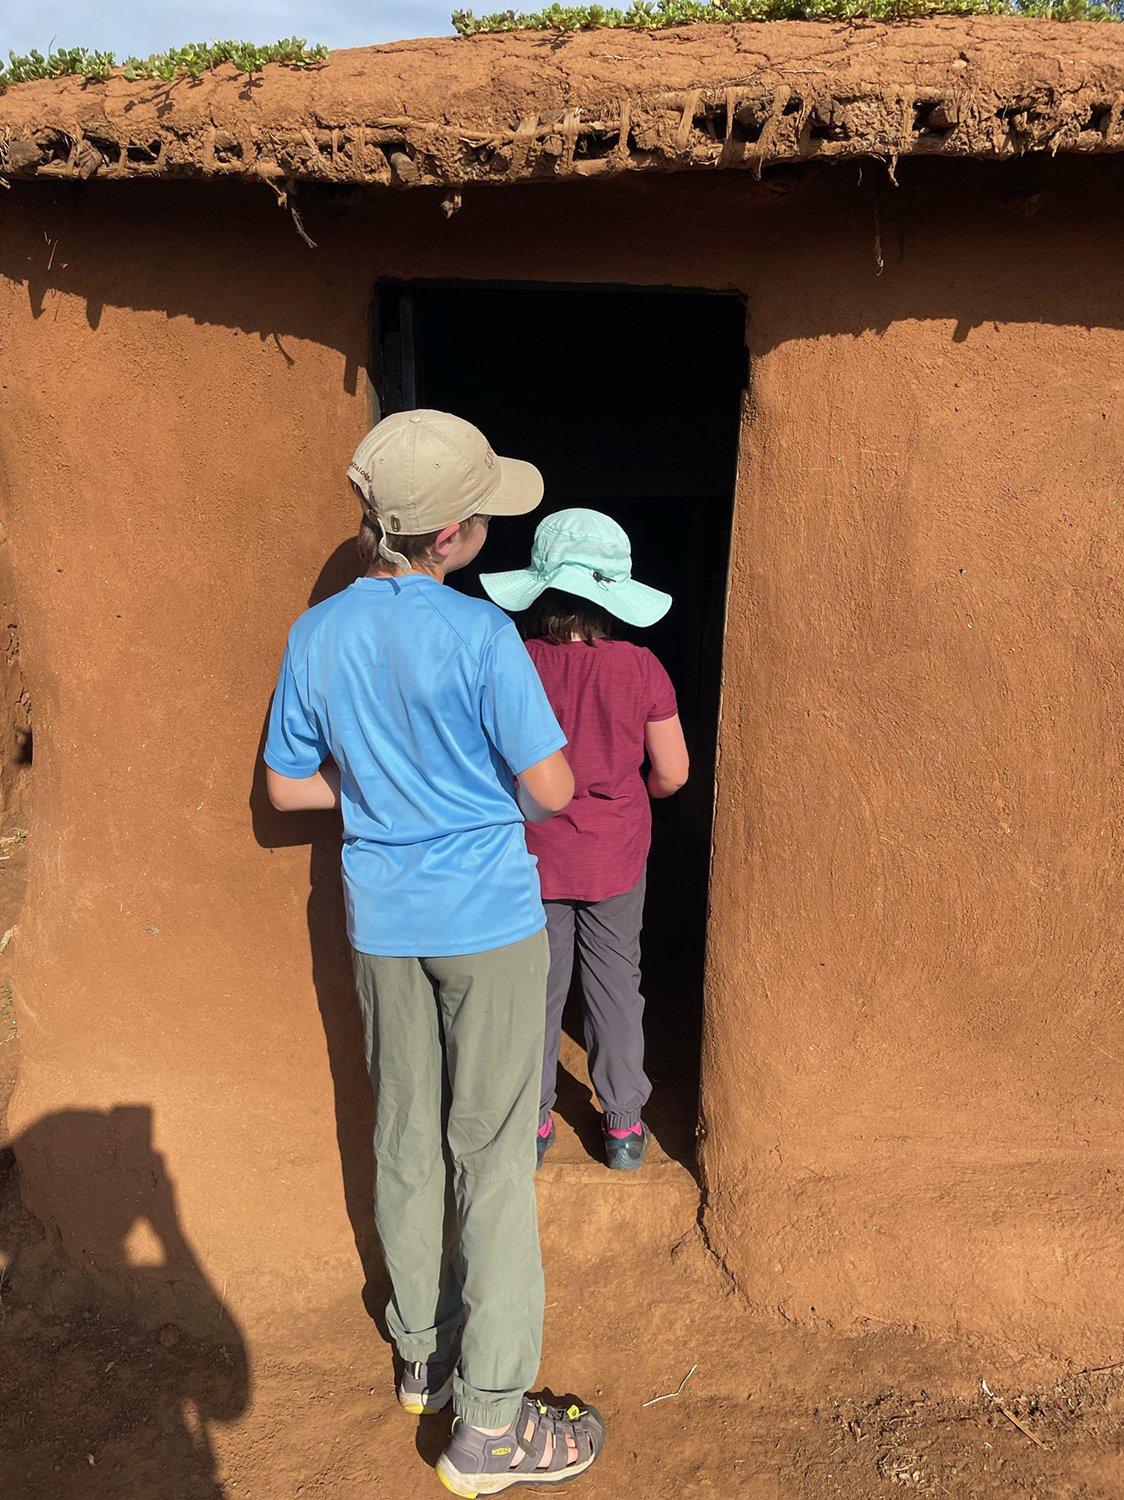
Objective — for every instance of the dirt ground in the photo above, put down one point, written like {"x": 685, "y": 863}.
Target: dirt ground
{"x": 94, "y": 1408}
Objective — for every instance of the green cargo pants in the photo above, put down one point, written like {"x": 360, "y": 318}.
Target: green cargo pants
{"x": 455, "y": 1048}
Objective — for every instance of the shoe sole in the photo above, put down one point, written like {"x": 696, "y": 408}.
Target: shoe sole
{"x": 436, "y": 1401}
{"x": 469, "y": 1486}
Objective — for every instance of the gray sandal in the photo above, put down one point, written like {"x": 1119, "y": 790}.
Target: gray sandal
{"x": 474, "y": 1464}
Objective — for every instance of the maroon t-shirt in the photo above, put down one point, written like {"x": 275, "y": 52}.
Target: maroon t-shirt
{"x": 602, "y": 696}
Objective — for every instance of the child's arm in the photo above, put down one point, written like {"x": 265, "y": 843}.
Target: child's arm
{"x": 517, "y": 718}
{"x": 667, "y": 752}
{"x": 321, "y": 790}
{"x": 294, "y": 743}
{"x": 545, "y": 788}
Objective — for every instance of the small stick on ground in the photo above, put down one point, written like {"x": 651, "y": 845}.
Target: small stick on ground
{"x": 1033, "y": 1436}
{"x": 671, "y": 1395}
{"x": 999, "y": 1407}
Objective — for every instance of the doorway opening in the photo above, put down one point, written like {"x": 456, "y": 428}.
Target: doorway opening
{"x": 628, "y": 400}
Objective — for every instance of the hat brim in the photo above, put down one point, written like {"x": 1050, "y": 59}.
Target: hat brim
{"x": 634, "y": 603}
{"x": 520, "y": 489}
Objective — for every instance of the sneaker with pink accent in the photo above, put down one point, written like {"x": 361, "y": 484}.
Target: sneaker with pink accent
{"x": 544, "y": 1139}
{"x": 625, "y": 1150}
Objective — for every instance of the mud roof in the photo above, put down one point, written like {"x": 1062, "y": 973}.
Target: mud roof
{"x": 495, "y": 109}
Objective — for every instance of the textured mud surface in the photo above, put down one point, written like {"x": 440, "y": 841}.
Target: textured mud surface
{"x": 535, "y": 105}
{"x": 95, "y": 1406}
{"x": 99, "y": 1410}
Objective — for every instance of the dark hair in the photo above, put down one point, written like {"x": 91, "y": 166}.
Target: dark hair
{"x": 561, "y": 618}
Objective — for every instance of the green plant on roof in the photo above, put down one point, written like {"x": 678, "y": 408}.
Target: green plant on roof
{"x": 200, "y": 57}
{"x": 191, "y": 61}
{"x": 656, "y": 15}
{"x": 59, "y": 63}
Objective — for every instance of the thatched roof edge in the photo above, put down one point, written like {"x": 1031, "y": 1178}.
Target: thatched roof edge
{"x": 494, "y": 109}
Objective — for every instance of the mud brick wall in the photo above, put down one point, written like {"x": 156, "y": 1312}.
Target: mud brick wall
{"x": 912, "y": 1082}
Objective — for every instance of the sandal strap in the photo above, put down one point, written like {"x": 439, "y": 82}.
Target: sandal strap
{"x": 476, "y": 1456}
{"x": 558, "y": 1423}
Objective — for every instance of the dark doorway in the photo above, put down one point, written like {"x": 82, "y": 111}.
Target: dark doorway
{"x": 629, "y": 401}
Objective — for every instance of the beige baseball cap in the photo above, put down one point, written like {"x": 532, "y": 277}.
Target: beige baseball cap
{"x": 420, "y": 470}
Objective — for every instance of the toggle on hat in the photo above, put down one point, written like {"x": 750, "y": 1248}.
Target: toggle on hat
{"x": 586, "y": 553}
{"x": 418, "y": 471}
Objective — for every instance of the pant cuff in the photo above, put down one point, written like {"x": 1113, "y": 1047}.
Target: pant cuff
{"x": 622, "y": 1121}
{"x": 487, "y": 1413}
{"x": 434, "y": 1343}
{"x": 419, "y": 1351}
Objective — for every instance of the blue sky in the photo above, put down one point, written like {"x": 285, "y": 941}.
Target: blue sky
{"x": 130, "y": 26}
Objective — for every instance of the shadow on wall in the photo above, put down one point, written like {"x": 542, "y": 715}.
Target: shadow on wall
{"x": 93, "y": 1409}
{"x": 332, "y": 975}
{"x": 111, "y": 250}
{"x": 971, "y": 241}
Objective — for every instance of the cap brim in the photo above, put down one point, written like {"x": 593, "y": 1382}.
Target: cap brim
{"x": 520, "y": 489}
{"x": 634, "y": 603}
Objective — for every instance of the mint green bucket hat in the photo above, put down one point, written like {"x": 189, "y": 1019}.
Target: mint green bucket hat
{"x": 586, "y": 553}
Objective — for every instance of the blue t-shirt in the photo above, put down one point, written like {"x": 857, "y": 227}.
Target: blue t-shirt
{"x": 428, "y": 702}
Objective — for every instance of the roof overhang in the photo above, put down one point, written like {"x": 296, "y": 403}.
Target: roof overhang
{"x": 531, "y": 105}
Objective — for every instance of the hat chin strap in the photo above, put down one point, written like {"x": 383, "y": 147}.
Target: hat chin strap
{"x": 386, "y": 551}
{"x": 602, "y": 580}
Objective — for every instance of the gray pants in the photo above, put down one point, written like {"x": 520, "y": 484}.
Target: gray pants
{"x": 607, "y": 934}
{"x": 455, "y": 1052}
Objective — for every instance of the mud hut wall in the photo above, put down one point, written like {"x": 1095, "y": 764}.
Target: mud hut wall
{"x": 176, "y": 393}
{"x": 912, "y": 1086}
{"x": 915, "y": 830}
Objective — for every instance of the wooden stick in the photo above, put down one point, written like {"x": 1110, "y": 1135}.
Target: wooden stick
{"x": 1033, "y": 1436}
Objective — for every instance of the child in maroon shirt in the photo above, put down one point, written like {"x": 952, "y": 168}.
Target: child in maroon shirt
{"x": 616, "y": 705}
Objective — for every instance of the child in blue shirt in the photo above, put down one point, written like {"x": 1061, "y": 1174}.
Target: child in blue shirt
{"x": 413, "y": 708}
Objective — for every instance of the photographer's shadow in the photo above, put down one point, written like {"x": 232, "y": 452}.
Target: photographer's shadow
{"x": 97, "y": 1405}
